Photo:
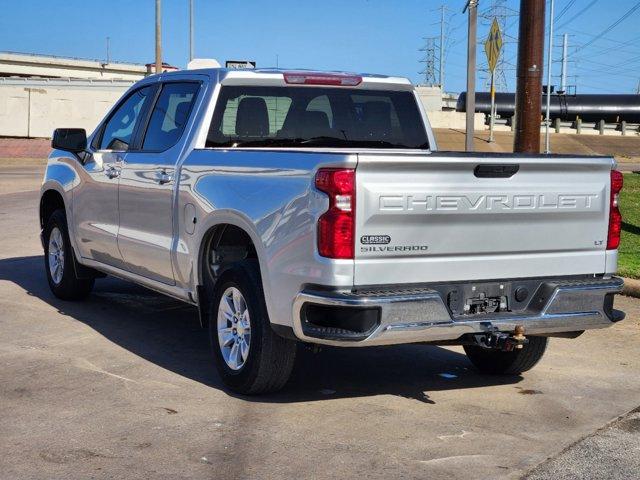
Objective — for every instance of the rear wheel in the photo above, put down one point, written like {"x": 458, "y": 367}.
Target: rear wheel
{"x": 58, "y": 261}
{"x": 507, "y": 363}
{"x": 250, "y": 357}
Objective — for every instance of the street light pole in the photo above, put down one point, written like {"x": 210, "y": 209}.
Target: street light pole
{"x": 158, "y": 37}
{"x": 547, "y": 140}
{"x": 191, "y": 56}
{"x": 441, "y": 71}
{"x": 529, "y": 89}
{"x": 472, "y": 6}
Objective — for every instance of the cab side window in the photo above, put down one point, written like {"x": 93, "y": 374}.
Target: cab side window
{"x": 170, "y": 115}
{"x": 117, "y": 133}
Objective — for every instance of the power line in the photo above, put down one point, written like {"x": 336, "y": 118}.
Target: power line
{"x": 565, "y": 10}
{"x": 616, "y": 48}
{"x": 628, "y": 63}
{"x": 612, "y": 26}
{"x": 592, "y": 35}
{"x": 579, "y": 14}
{"x": 632, "y": 73}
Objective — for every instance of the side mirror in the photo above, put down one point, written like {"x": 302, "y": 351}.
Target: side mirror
{"x": 69, "y": 139}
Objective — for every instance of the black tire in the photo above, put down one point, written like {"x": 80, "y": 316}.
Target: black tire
{"x": 507, "y": 363}
{"x": 69, "y": 287}
{"x": 271, "y": 357}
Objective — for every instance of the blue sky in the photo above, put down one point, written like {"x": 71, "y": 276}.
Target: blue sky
{"x": 359, "y": 35}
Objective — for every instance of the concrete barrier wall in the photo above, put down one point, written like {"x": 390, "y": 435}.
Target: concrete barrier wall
{"x": 455, "y": 120}
{"x": 34, "y": 109}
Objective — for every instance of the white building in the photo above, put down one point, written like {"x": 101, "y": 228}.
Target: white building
{"x": 34, "y": 107}
{"x": 39, "y": 93}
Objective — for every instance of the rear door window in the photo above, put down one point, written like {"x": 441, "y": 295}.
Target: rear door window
{"x": 170, "y": 115}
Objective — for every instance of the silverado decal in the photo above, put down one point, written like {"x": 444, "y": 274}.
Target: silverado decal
{"x": 395, "y": 248}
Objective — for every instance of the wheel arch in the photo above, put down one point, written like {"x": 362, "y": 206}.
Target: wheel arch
{"x": 231, "y": 239}
{"x": 50, "y": 201}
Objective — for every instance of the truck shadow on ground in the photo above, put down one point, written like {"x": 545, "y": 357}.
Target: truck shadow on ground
{"x": 167, "y": 332}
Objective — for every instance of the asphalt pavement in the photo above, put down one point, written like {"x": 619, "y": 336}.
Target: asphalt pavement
{"x": 122, "y": 386}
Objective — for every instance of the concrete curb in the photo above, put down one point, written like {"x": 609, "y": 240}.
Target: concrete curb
{"x": 22, "y": 162}
{"x": 631, "y": 288}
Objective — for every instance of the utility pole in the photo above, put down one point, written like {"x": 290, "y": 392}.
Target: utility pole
{"x": 441, "y": 70}
{"x": 547, "y": 140}
{"x": 108, "y": 38}
{"x": 191, "y": 56}
{"x": 158, "y": 37}
{"x": 472, "y": 6}
{"x": 529, "y": 86}
{"x": 565, "y": 55}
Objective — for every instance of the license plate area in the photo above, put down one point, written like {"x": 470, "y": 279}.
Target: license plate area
{"x": 476, "y": 299}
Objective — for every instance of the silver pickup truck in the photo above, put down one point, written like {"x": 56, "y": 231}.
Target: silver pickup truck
{"x": 300, "y": 206}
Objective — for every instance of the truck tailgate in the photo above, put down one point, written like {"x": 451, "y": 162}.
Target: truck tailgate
{"x": 450, "y": 217}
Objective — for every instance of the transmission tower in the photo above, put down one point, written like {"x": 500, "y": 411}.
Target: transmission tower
{"x": 430, "y": 70}
{"x": 499, "y": 10}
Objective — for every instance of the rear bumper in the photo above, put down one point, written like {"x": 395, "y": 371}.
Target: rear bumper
{"x": 421, "y": 315}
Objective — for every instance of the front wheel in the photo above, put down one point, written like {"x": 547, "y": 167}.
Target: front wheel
{"x": 507, "y": 363}
{"x": 250, "y": 357}
{"x": 58, "y": 261}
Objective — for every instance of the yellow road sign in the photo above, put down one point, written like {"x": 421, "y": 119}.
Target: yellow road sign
{"x": 493, "y": 45}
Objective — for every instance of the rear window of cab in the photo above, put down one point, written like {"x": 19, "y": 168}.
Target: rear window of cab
{"x": 253, "y": 116}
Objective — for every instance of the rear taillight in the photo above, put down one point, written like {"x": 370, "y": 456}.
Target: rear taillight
{"x": 615, "y": 218}
{"x": 336, "y": 225}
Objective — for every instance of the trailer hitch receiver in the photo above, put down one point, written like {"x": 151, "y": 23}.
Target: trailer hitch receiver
{"x": 503, "y": 341}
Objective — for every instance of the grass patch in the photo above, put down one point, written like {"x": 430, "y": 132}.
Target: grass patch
{"x": 629, "y": 252}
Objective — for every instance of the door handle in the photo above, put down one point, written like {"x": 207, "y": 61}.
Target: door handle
{"x": 162, "y": 177}
{"x": 112, "y": 172}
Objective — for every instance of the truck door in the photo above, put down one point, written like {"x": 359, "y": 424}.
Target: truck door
{"x": 95, "y": 200}
{"x": 147, "y": 181}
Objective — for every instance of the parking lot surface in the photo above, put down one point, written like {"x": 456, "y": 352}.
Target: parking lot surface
{"x": 122, "y": 386}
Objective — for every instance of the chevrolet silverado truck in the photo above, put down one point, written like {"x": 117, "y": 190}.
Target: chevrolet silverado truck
{"x": 314, "y": 207}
